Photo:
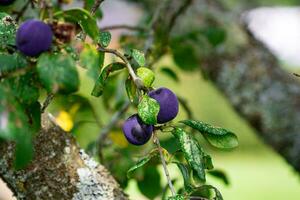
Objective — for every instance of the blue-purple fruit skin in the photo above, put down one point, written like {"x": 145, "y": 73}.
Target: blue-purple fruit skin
{"x": 6, "y": 2}
{"x": 34, "y": 37}
{"x": 168, "y": 104}
{"x": 137, "y": 132}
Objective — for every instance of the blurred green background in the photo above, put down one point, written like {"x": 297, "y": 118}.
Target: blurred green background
{"x": 255, "y": 171}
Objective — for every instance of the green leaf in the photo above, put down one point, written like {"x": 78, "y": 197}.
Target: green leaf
{"x": 101, "y": 81}
{"x": 220, "y": 175}
{"x": 25, "y": 88}
{"x": 23, "y": 152}
{"x": 72, "y": 51}
{"x": 218, "y": 195}
{"x": 150, "y": 184}
{"x": 83, "y": 18}
{"x": 185, "y": 172}
{"x": 58, "y": 72}
{"x": 148, "y": 110}
{"x": 33, "y": 112}
{"x": 208, "y": 162}
{"x": 9, "y": 63}
{"x": 88, "y": 4}
{"x": 178, "y": 197}
{"x": 92, "y": 59}
{"x": 8, "y": 29}
{"x": 185, "y": 55}
{"x": 169, "y": 72}
{"x": 143, "y": 161}
{"x": 13, "y": 120}
{"x": 130, "y": 89}
{"x": 147, "y": 76}
{"x": 215, "y": 35}
{"x": 170, "y": 144}
{"x": 15, "y": 126}
{"x": 193, "y": 153}
{"x": 105, "y": 38}
{"x": 217, "y": 137}
{"x": 139, "y": 57}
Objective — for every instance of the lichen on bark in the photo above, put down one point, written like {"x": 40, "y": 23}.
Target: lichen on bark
{"x": 59, "y": 170}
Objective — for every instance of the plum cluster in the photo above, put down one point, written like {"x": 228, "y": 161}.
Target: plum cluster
{"x": 136, "y": 131}
{"x": 34, "y": 37}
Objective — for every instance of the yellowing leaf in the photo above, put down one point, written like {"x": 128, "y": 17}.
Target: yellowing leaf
{"x": 65, "y": 121}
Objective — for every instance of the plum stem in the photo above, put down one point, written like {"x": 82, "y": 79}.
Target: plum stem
{"x": 163, "y": 162}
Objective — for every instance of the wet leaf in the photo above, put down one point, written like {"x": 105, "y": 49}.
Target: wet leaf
{"x": 216, "y": 136}
{"x": 148, "y": 110}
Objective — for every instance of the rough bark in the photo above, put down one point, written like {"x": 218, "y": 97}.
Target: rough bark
{"x": 60, "y": 170}
{"x": 251, "y": 78}
{"x": 264, "y": 94}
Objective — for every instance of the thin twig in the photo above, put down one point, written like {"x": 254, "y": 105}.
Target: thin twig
{"x": 47, "y": 102}
{"x": 186, "y": 107}
{"x": 198, "y": 198}
{"x": 106, "y": 130}
{"x": 138, "y": 82}
{"x": 163, "y": 161}
{"x": 22, "y": 11}
{"x": 96, "y": 6}
{"x": 124, "y": 26}
{"x": 185, "y": 4}
{"x": 148, "y": 43}
{"x": 295, "y": 74}
{"x": 180, "y": 11}
{"x": 82, "y": 35}
{"x": 150, "y": 28}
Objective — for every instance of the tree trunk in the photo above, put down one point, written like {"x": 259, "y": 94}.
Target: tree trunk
{"x": 60, "y": 170}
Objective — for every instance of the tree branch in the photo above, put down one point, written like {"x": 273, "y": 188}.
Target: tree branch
{"x": 138, "y": 82}
{"x": 47, "y": 102}
{"x": 124, "y": 26}
{"x": 60, "y": 170}
{"x": 178, "y": 12}
{"x": 295, "y": 74}
{"x": 96, "y": 6}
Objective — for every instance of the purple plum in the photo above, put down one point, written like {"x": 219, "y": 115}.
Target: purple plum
{"x": 34, "y": 37}
{"x": 168, "y": 104}
{"x": 6, "y": 2}
{"x": 135, "y": 131}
